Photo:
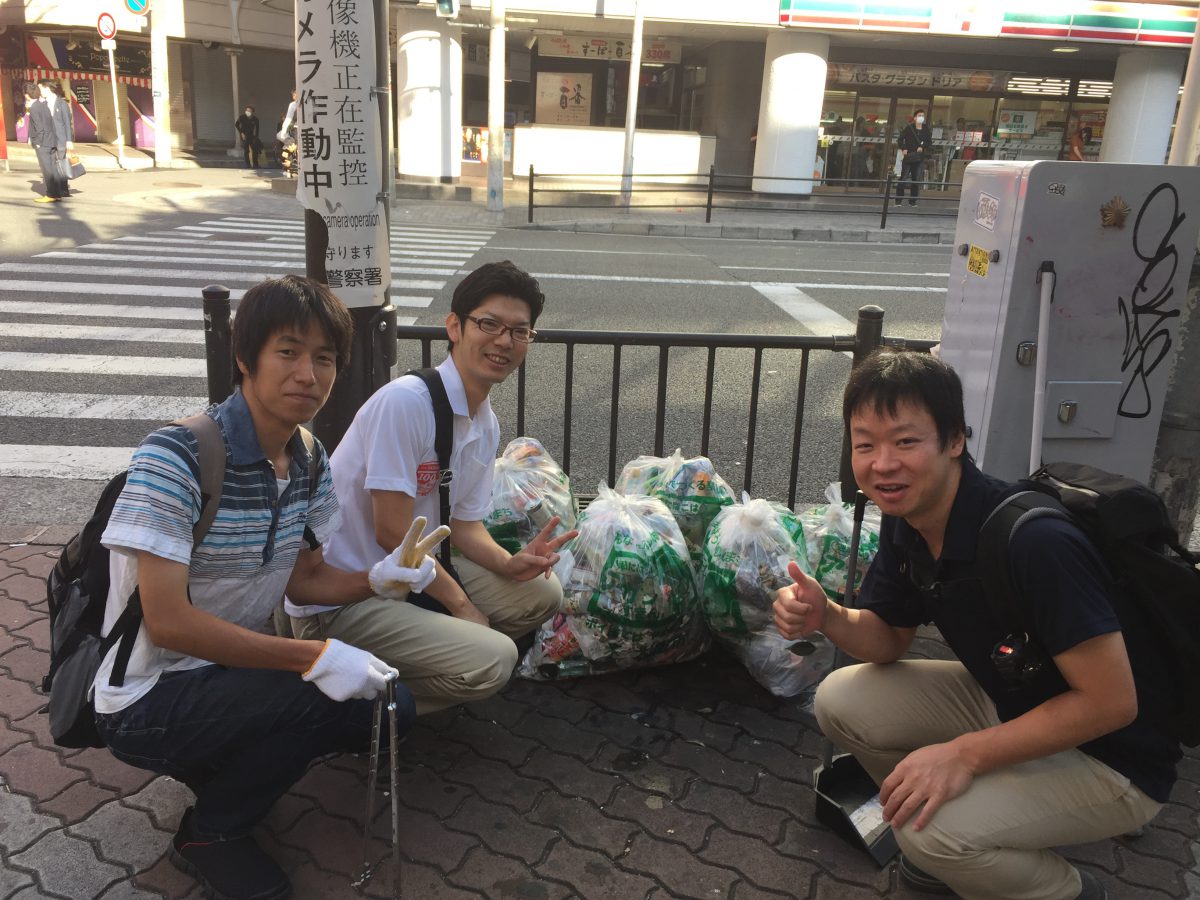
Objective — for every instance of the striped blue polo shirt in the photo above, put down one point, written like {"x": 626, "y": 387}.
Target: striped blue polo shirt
{"x": 240, "y": 570}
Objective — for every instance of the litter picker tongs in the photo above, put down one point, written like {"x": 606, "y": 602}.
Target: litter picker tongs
{"x": 847, "y": 797}
{"x": 386, "y": 701}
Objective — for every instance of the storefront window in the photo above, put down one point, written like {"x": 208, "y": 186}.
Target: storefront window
{"x": 1030, "y": 128}
{"x": 1085, "y": 131}
{"x": 837, "y": 123}
{"x": 871, "y": 122}
{"x": 962, "y": 131}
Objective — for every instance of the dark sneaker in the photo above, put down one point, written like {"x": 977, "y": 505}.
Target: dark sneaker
{"x": 920, "y": 880}
{"x": 229, "y": 870}
{"x": 1092, "y": 888}
{"x": 912, "y": 202}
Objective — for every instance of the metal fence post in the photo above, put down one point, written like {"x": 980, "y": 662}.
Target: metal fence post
{"x": 712, "y": 174}
{"x": 531, "y": 193}
{"x": 868, "y": 335}
{"x": 887, "y": 199}
{"x": 218, "y": 344}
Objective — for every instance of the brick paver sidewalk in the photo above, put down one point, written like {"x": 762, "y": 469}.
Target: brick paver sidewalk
{"x": 689, "y": 781}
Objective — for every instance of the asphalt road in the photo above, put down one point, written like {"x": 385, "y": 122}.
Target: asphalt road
{"x": 99, "y": 342}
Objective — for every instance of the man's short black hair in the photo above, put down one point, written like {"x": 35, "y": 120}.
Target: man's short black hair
{"x": 283, "y": 303}
{"x": 501, "y": 278}
{"x": 888, "y": 378}
{"x": 31, "y": 90}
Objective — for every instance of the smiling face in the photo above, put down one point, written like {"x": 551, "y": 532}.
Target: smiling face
{"x": 292, "y": 378}
{"x": 484, "y": 360}
{"x": 900, "y": 463}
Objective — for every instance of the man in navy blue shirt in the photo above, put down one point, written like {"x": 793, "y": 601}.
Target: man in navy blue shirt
{"x": 981, "y": 771}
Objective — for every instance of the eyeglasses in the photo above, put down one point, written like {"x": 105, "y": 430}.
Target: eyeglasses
{"x": 522, "y": 334}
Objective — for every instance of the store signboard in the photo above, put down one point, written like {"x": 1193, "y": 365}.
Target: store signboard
{"x": 979, "y": 80}
{"x": 1016, "y": 123}
{"x": 580, "y": 46}
{"x": 1148, "y": 24}
{"x": 564, "y": 98}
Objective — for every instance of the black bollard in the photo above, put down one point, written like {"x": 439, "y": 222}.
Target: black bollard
{"x": 218, "y": 343}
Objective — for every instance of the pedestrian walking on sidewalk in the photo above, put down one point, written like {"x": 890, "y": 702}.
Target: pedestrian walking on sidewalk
{"x": 247, "y": 129}
{"x": 1026, "y": 742}
{"x": 235, "y": 714}
{"x": 915, "y": 141}
{"x": 51, "y": 136}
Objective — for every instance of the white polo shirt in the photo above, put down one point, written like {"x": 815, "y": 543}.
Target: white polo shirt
{"x": 390, "y": 447}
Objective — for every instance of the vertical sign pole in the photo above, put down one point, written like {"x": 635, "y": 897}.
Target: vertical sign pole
{"x": 635, "y": 74}
{"x": 495, "y": 168}
{"x": 112, "y": 74}
{"x": 3, "y": 138}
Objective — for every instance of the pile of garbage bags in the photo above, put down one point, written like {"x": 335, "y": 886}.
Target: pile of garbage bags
{"x": 668, "y": 560}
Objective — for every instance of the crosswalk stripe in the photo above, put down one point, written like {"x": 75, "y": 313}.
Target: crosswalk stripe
{"x": 74, "y": 462}
{"x": 279, "y": 245}
{"x": 413, "y": 241}
{"x": 88, "y": 364}
{"x": 395, "y": 226}
{"x": 90, "y": 287}
{"x": 87, "y": 251}
{"x": 442, "y": 241}
{"x": 200, "y": 274}
{"x": 104, "y": 333}
{"x": 218, "y": 260}
{"x": 98, "y": 406}
{"x": 165, "y": 313}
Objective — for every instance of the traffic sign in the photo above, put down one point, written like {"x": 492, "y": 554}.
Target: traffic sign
{"x": 108, "y": 44}
{"x": 107, "y": 26}
{"x": 138, "y": 7}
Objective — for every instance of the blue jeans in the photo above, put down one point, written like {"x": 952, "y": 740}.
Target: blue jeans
{"x": 239, "y": 738}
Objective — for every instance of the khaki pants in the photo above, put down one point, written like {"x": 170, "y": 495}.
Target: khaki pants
{"x": 991, "y": 841}
{"x": 444, "y": 661}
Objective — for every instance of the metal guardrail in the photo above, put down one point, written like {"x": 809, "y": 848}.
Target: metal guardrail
{"x": 868, "y": 336}
{"x": 708, "y": 184}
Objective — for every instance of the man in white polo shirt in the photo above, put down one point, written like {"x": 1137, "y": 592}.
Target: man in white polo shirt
{"x": 453, "y": 642}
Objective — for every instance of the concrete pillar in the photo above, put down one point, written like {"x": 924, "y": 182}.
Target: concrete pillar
{"x": 790, "y": 112}
{"x": 236, "y": 149}
{"x": 160, "y": 87}
{"x": 731, "y": 101}
{"x": 1142, "y": 108}
{"x": 429, "y": 97}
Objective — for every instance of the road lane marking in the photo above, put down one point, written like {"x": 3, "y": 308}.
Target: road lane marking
{"x": 98, "y": 406}
{"x": 809, "y": 312}
{"x": 63, "y": 332}
{"x": 88, "y": 364}
{"x": 63, "y": 462}
{"x": 901, "y": 288}
{"x": 840, "y": 271}
{"x": 275, "y": 251}
{"x": 164, "y": 313}
{"x": 458, "y": 256}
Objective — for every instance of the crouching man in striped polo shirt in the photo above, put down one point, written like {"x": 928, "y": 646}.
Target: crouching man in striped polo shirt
{"x": 235, "y": 714}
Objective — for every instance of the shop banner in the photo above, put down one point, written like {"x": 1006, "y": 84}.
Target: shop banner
{"x": 339, "y": 146}
{"x": 1161, "y": 24}
{"x": 1016, "y": 123}
{"x": 578, "y": 46}
{"x": 563, "y": 98}
{"x": 979, "y": 80}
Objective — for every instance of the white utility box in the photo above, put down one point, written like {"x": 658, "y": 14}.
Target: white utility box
{"x": 1116, "y": 243}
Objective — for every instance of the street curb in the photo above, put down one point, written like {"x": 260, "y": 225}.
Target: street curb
{"x": 742, "y": 232}
{"x": 40, "y": 535}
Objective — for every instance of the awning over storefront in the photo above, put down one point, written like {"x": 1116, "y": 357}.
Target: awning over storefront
{"x": 62, "y": 75}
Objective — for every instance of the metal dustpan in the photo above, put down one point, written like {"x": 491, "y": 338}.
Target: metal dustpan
{"x": 847, "y": 797}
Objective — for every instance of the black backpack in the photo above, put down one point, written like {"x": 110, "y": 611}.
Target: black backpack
{"x": 1130, "y": 528}
{"x": 77, "y": 594}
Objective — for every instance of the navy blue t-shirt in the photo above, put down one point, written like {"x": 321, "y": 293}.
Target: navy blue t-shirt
{"x": 1067, "y": 599}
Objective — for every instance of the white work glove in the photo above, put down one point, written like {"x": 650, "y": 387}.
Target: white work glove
{"x": 343, "y": 672}
{"x": 389, "y": 578}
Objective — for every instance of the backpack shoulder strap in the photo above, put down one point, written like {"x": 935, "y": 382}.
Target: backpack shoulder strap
{"x": 443, "y": 445}
{"x": 992, "y": 551}
{"x": 212, "y": 470}
{"x": 212, "y": 481}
